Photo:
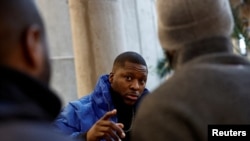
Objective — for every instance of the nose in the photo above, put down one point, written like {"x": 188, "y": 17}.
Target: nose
{"x": 135, "y": 85}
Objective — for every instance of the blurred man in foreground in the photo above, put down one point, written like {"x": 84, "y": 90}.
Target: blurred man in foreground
{"x": 27, "y": 105}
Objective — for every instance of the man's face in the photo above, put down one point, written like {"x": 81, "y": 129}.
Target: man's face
{"x": 129, "y": 81}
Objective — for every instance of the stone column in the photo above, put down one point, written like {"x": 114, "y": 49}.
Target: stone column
{"x": 97, "y": 32}
{"x": 56, "y": 18}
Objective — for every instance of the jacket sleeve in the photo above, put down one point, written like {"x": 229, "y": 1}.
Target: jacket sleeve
{"x": 67, "y": 122}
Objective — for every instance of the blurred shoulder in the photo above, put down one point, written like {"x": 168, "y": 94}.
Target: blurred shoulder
{"x": 30, "y": 131}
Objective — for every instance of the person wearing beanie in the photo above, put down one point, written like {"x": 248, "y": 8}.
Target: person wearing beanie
{"x": 210, "y": 84}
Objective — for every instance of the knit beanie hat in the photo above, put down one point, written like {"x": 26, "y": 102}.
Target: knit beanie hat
{"x": 184, "y": 21}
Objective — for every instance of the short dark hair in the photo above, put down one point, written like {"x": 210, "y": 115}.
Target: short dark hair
{"x": 129, "y": 56}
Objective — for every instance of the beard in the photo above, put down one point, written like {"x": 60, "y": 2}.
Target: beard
{"x": 45, "y": 73}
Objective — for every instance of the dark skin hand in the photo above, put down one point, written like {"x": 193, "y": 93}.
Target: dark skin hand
{"x": 106, "y": 129}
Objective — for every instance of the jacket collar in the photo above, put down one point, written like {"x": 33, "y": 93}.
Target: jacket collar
{"x": 24, "y": 97}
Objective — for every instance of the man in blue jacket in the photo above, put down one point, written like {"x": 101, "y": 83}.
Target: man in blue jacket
{"x": 108, "y": 112}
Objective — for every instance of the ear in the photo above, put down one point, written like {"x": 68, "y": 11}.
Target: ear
{"x": 32, "y": 47}
{"x": 111, "y": 76}
{"x": 171, "y": 57}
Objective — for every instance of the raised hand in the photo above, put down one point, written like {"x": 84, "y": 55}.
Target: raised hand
{"x": 106, "y": 129}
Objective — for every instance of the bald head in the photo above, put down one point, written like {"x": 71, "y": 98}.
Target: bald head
{"x": 22, "y": 38}
{"x": 16, "y": 17}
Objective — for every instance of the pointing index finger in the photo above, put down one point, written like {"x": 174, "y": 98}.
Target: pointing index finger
{"x": 109, "y": 114}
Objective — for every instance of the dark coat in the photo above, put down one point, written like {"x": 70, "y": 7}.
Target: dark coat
{"x": 27, "y": 108}
{"x": 210, "y": 88}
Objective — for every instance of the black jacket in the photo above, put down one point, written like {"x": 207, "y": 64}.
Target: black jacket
{"x": 27, "y": 107}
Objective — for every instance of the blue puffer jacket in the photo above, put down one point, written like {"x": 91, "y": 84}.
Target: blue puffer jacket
{"x": 78, "y": 116}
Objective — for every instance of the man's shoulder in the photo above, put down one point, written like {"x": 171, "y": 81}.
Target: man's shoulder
{"x": 30, "y": 131}
{"x": 83, "y": 103}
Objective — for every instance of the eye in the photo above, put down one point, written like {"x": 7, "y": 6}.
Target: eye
{"x": 142, "y": 82}
{"x": 128, "y": 78}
